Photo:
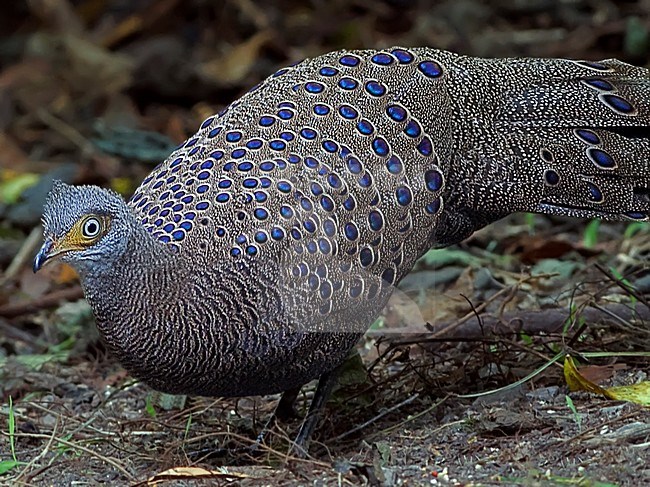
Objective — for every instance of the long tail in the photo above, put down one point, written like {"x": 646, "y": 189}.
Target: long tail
{"x": 561, "y": 137}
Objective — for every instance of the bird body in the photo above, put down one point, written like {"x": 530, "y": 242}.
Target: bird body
{"x": 254, "y": 257}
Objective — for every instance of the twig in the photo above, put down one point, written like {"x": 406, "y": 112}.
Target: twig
{"x": 47, "y": 301}
{"x": 414, "y": 417}
{"x": 75, "y": 446}
{"x": 449, "y": 328}
{"x": 42, "y": 453}
{"x": 515, "y": 384}
{"x": 25, "y": 253}
{"x": 66, "y": 130}
{"x": 13, "y": 333}
{"x": 259, "y": 446}
{"x": 376, "y": 418}
{"x": 625, "y": 287}
{"x": 613, "y": 315}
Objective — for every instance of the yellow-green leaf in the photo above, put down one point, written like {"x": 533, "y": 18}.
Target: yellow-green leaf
{"x": 636, "y": 393}
{"x": 12, "y": 188}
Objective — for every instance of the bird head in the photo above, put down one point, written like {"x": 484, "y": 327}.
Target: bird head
{"x": 84, "y": 226}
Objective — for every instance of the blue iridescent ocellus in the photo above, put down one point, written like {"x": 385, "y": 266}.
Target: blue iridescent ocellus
{"x": 253, "y": 258}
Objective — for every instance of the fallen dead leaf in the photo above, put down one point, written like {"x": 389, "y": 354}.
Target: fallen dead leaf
{"x": 192, "y": 473}
{"x": 636, "y": 393}
{"x": 233, "y": 66}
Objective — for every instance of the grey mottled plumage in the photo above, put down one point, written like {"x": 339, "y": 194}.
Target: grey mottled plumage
{"x": 254, "y": 257}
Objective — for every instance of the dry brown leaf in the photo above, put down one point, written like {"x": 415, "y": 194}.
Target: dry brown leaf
{"x": 11, "y": 156}
{"x": 193, "y": 473}
{"x": 95, "y": 67}
{"x": 600, "y": 373}
{"x": 235, "y": 65}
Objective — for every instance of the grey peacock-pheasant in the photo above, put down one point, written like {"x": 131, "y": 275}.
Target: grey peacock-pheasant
{"x": 256, "y": 255}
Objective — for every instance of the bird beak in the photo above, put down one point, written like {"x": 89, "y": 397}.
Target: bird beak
{"x": 44, "y": 254}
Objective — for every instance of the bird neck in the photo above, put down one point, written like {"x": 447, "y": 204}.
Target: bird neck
{"x": 141, "y": 262}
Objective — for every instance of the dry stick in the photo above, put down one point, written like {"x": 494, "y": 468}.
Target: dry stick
{"x": 547, "y": 320}
{"x": 449, "y": 328}
{"x": 88, "y": 422}
{"x": 626, "y": 324}
{"x": 517, "y": 383}
{"x": 26, "y": 252}
{"x": 47, "y": 301}
{"x": 633, "y": 309}
{"x": 12, "y": 332}
{"x": 387, "y": 355}
{"x": 197, "y": 408}
{"x": 502, "y": 307}
{"x": 81, "y": 425}
{"x": 576, "y": 335}
{"x": 376, "y": 418}
{"x": 550, "y": 361}
{"x": 477, "y": 315}
{"x": 262, "y": 446}
{"x": 74, "y": 446}
{"x": 43, "y": 452}
{"x": 528, "y": 349}
{"x": 66, "y": 130}
{"x": 414, "y": 417}
{"x": 625, "y": 287}
{"x": 393, "y": 377}
{"x": 597, "y": 427}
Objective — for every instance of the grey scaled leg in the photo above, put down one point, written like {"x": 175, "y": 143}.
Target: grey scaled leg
{"x": 283, "y": 411}
{"x": 323, "y": 390}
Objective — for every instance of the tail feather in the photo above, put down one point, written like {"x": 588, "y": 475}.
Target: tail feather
{"x": 591, "y": 132}
{"x": 590, "y": 172}
{"x": 550, "y": 136}
{"x": 574, "y": 95}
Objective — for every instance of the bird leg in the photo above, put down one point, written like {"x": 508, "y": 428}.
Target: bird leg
{"x": 326, "y": 383}
{"x": 284, "y": 410}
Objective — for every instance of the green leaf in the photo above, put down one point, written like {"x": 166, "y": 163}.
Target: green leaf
{"x": 7, "y": 465}
{"x": 562, "y": 268}
{"x": 378, "y": 324}
{"x": 130, "y": 143}
{"x": 591, "y": 234}
{"x": 169, "y": 402}
{"x": 636, "y": 37}
{"x": 36, "y": 361}
{"x": 445, "y": 257}
{"x": 188, "y": 426}
{"x": 634, "y": 228}
{"x": 530, "y": 219}
{"x": 576, "y": 414}
{"x": 11, "y": 189}
{"x": 526, "y": 338}
{"x": 148, "y": 406}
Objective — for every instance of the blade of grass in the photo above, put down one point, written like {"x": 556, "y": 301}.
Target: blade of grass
{"x": 7, "y": 465}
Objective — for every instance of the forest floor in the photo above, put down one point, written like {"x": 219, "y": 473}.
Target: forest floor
{"x": 433, "y": 407}
{"x": 461, "y": 382}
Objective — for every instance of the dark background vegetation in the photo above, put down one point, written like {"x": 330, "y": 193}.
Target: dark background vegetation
{"x": 99, "y": 91}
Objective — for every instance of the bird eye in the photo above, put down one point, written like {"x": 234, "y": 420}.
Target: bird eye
{"x": 91, "y": 227}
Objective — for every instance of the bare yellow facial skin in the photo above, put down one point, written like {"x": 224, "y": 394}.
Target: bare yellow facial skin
{"x": 86, "y": 231}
